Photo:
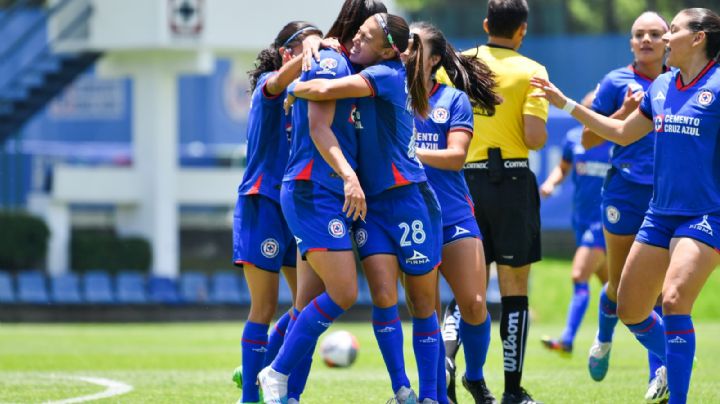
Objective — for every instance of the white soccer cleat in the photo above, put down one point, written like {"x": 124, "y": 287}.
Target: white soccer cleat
{"x": 273, "y": 385}
{"x": 293, "y": 401}
{"x": 599, "y": 359}
{"x": 658, "y": 391}
{"x": 404, "y": 395}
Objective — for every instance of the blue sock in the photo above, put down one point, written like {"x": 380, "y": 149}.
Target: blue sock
{"x": 312, "y": 321}
{"x": 276, "y": 338}
{"x": 651, "y": 333}
{"x": 298, "y": 377}
{"x": 389, "y": 336}
{"x": 426, "y": 340}
{"x": 254, "y": 346}
{"x": 680, "y": 336}
{"x": 441, "y": 379}
{"x": 476, "y": 339}
{"x": 576, "y": 311}
{"x": 653, "y": 361}
{"x": 607, "y": 318}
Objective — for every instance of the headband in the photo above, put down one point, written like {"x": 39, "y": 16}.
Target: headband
{"x": 295, "y": 35}
{"x": 385, "y": 29}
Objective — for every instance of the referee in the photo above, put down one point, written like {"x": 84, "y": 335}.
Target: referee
{"x": 504, "y": 190}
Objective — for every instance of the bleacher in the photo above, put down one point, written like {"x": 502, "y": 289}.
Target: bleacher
{"x": 100, "y": 295}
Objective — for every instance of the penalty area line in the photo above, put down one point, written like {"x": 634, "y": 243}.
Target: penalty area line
{"x": 113, "y": 388}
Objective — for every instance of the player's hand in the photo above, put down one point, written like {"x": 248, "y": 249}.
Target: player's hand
{"x": 287, "y": 104}
{"x": 632, "y": 100}
{"x": 355, "y": 205}
{"x": 550, "y": 92}
{"x": 546, "y": 189}
{"x": 311, "y": 50}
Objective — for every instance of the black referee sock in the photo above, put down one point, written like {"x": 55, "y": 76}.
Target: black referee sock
{"x": 513, "y": 332}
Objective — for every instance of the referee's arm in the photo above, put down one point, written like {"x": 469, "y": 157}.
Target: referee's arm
{"x": 535, "y": 132}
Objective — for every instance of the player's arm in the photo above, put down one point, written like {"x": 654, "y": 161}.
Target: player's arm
{"x": 354, "y": 86}
{"x": 452, "y": 158}
{"x": 622, "y": 132}
{"x": 535, "y": 132}
{"x": 320, "y": 118}
{"x": 630, "y": 103}
{"x": 289, "y": 72}
{"x": 557, "y": 175}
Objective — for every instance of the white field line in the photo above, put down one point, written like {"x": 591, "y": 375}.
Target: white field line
{"x": 113, "y": 388}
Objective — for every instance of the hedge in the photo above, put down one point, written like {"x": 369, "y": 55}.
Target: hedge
{"x": 23, "y": 241}
{"x": 97, "y": 249}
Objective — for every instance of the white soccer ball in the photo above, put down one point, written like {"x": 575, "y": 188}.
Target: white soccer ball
{"x": 339, "y": 349}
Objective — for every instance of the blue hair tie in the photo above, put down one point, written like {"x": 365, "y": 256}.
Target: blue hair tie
{"x": 295, "y": 35}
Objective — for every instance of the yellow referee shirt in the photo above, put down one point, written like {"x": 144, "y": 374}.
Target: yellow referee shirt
{"x": 505, "y": 129}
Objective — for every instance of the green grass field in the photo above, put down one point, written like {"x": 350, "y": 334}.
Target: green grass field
{"x": 192, "y": 362}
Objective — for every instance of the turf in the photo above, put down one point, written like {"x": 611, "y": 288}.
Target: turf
{"x": 192, "y": 362}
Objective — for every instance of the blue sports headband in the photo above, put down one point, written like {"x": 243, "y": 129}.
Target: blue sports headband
{"x": 295, "y": 35}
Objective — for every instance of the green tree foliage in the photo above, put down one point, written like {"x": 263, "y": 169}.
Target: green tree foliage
{"x": 23, "y": 241}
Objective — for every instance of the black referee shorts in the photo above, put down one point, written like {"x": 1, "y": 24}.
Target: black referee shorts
{"x": 508, "y": 214}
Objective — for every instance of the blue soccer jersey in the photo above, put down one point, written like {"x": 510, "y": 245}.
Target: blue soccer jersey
{"x": 268, "y": 146}
{"x": 306, "y": 162}
{"x": 450, "y": 110}
{"x": 687, "y": 151}
{"x": 634, "y": 161}
{"x": 387, "y": 145}
{"x": 589, "y": 170}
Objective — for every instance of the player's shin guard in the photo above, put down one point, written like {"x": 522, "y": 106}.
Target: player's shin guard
{"x": 607, "y": 318}
{"x": 651, "y": 333}
{"x": 653, "y": 361}
{"x": 450, "y": 330}
{"x": 254, "y": 346}
{"x": 680, "y": 340}
{"x": 389, "y": 336}
{"x": 477, "y": 341}
{"x": 513, "y": 331}
{"x": 312, "y": 321}
{"x": 277, "y": 336}
{"x": 426, "y": 340}
{"x": 576, "y": 312}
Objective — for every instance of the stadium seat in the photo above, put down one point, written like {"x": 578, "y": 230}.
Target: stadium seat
{"x": 363, "y": 297}
{"x": 194, "y": 287}
{"x": 131, "y": 288}
{"x": 7, "y": 293}
{"x": 284, "y": 293}
{"x": 32, "y": 288}
{"x": 228, "y": 287}
{"x": 163, "y": 290}
{"x": 65, "y": 289}
{"x": 97, "y": 287}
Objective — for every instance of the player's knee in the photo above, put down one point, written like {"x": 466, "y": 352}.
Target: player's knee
{"x": 423, "y": 304}
{"x": 673, "y": 303}
{"x": 262, "y": 312}
{"x": 629, "y": 314}
{"x": 345, "y": 297}
{"x": 384, "y": 295}
{"x": 474, "y": 312}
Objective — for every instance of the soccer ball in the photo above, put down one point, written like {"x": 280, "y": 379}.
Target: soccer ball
{"x": 339, "y": 349}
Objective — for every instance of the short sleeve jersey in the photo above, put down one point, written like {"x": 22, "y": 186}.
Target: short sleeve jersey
{"x": 687, "y": 151}
{"x": 450, "y": 111}
{"x": 306, "y": 162}
{"x": 589, "y": 169}
{"x": 268, "y": 146}
{"x": 387, "y": 145}
{"x": 506, "y": 129}
{"x": 634, "y": 161}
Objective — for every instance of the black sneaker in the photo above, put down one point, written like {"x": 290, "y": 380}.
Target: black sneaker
{"x": 478, "y": 389}
{"x": 518, "y": 397}
{"x": 450, "y": 376}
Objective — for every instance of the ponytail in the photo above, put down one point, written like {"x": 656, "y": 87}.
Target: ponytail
{"x": 416, "y": 78}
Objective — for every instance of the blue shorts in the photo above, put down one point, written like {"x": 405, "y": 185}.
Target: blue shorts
{"x": 589, "y": 235}
{"x": 624, "y": 204}
{"x": 464, "y": 229}
{"x": 658, "y": 230}
{"x": 405, "y": 222}
{"x": 315, "y": 217}
{"x": 261, "y": 236}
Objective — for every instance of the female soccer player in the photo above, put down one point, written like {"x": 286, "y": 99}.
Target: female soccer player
{"x": 262, "y": 249}
{"x": 320, "y": 196}
{"x": 404, "y": 228}
{"x": 677, "y": 246}
{"x": 628, "y": 185}
{"x": 589, "y": 167}
{"x": 442, "y": 140}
